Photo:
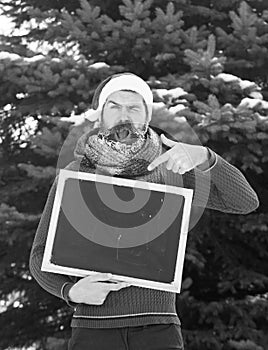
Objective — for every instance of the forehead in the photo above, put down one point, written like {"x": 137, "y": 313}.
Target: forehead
{"x": 123, "y": 97}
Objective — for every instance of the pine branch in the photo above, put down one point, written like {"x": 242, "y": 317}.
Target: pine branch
{"x": 244, "y": 20}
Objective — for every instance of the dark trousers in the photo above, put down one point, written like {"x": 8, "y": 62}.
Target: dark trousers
{"x": 151, "y": 337}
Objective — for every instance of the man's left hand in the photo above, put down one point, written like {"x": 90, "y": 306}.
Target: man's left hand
{"x": 181, "y": 157}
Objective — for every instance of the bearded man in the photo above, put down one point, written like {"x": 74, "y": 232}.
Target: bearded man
{"x": 116, "y": 315}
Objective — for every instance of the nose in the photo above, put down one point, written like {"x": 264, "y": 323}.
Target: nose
{"x": 124, "y": 114}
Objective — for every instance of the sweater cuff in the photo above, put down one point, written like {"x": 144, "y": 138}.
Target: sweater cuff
{"x": 65, "y": 294}
{"x": 210, "y": 163}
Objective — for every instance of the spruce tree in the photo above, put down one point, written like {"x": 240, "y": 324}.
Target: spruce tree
{"x": 206, "y": 64}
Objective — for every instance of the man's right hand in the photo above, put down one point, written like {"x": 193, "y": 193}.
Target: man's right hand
{"x": 94, "y": 289}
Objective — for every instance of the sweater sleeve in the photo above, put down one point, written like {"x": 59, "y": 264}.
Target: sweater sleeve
{"x": 56, "y": 284}
{"x": 222, "y": 187}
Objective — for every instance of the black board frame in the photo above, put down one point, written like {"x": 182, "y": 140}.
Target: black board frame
{"x": 48, "y": 265}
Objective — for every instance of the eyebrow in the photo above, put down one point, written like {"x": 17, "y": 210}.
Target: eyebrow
{"x": 115, "y": 103}
{"x": 118, "y": 104}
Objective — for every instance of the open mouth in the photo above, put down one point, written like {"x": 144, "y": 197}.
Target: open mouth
{"x": 122, "y": 134}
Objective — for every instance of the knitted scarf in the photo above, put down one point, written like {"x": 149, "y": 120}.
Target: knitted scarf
{"x": 116, "y": 158}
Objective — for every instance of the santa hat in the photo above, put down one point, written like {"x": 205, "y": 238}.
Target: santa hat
{"x": 122, "y": 81}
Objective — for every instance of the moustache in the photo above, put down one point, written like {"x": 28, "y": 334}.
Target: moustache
{"x": 125, "y": 132}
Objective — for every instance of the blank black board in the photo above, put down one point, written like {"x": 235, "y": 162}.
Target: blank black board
{"x": 153, "y": 260}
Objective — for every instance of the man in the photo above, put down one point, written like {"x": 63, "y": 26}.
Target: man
{"x": 111, "y": 314}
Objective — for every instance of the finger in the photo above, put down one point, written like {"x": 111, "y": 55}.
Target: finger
{"x": 98, "y": 277}
{"x": 176, "y": 167}
{"x": 184, "y": 168}
{"x": 117, "y": 286}
{"x": 170, "y": 164}
{"x": 159, "y": 160}
{"x": 167, "y": 141}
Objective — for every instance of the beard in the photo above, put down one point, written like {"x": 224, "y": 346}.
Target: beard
{"x": 124, "y": 132}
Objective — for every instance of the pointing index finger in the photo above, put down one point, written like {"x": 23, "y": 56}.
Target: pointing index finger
{"x": 159, "y": 160}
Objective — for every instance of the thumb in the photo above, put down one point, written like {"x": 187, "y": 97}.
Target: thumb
{"x": 99, "y": 277}
{"x": 167, "y": 141}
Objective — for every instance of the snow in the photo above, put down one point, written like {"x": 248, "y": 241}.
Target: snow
{"x": 253, "y": 102}
{"x": 177, "y": 108}
{"x": 256, "y": 94}
{"x": 228, "y": 78}
{"x": 249, "y": 102}
{"x": 11, "y": 56}
{"x": 177, "y": 92}
{"x": 20, "y": 95}
{"x": 26, "y": 130}
{"x": 16, "y": 304}
{"x": 261, "y": 117}
{"x": 264, "y": 104}
{"x": 14, "y": 57}
{"x": 99, "y": 65}
{"x": 245, "y": 84}
{"x": 158, "y": 105}
{"x": 6, "y": 25}
{"x": 34, "y": 58}
{"x": 161, "y": 92}
{"x": 7, "y": 107}
{"x": 173, "y": 93}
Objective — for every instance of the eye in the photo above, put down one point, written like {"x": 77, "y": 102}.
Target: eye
{"x": 134, "y": 109}
{"x": 112, "y": 106}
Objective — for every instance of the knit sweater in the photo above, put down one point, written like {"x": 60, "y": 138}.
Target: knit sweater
{"x": 222, "y": 187}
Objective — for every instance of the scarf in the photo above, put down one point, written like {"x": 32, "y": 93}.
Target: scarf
{"x": 115, "y": 158}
